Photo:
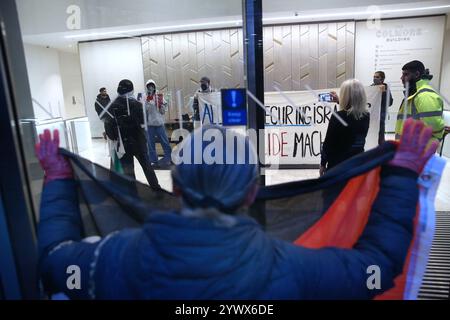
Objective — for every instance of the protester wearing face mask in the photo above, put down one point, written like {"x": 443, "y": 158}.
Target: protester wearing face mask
{"x": 423, "y": 102}
{"x": 378, "y": 80}
{"x": 205, "y": 87}
{"x": 155, "y": 107}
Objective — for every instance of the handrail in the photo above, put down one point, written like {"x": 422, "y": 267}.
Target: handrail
{"x": 76, "y": 118}
{"x": 54, "y": 120}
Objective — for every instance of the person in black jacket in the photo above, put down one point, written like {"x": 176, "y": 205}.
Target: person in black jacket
{"x": 378, "y": 79}
{"x": 205, "y": 87}
{"x": 128, "y": 126}
{"x": 343, "y": 142}
{"x": 101, "y": 103}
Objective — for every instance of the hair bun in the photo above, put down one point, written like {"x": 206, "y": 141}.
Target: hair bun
{"x": 426, "y": 75}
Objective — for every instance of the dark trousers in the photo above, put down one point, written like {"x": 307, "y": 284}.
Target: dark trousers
{"x": 382, "y": 130}
{"x": 127, "y": 162}
{"x": 160, "y": 132}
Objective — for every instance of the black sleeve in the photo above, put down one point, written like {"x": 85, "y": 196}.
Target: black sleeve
{"x": 367, "y": 123}
{"x": 391, "y": 100}
{"x": 330, "y": 140}
{"x": 196, "y": 109}
{"x": 98, "y": 107}
{"x": 138, "y": 112}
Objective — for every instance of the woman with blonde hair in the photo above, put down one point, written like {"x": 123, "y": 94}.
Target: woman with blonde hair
{"x": 343, "y": 142}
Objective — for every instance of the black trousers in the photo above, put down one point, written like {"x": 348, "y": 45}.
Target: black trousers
{"x": 381, "y": 133}
{"x": 127, "y": 162}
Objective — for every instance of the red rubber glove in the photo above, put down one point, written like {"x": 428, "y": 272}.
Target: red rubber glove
{"x": 160, "y": 100}
{"x": 412, "y": 152}
{"x": 54, "y": 165}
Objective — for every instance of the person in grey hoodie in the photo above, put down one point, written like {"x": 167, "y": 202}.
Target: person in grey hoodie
{"x": 155, "y": 107}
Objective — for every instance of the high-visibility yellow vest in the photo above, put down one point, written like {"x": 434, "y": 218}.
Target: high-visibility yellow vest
{"x": 425, "y": 105}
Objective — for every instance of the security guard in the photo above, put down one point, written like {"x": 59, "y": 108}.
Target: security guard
{"x": 423, "y": 102}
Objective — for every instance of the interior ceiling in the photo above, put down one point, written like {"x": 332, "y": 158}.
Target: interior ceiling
{"x": 42, "y": 25}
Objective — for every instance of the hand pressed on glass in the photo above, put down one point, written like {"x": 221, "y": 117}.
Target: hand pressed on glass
{"x": 54, "y": 164}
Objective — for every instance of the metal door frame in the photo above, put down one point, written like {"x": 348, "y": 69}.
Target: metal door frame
{"x": 17, "y": 217}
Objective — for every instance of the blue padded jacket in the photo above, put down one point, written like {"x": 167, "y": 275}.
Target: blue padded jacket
{"x": 177, "y": 257}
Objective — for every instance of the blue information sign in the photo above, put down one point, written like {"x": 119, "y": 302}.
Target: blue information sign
{"x": 234, "y": 107}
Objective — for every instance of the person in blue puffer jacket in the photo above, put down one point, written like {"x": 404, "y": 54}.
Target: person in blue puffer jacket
{"x": 207, "y": 250}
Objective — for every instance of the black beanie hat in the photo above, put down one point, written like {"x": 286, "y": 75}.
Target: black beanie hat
{"x": 414, "y": 66}
{"x": 125, "y": 86}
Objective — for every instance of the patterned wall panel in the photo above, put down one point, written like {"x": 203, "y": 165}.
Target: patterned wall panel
{"x": 318, "y": 55}
{"x": 178, "y": 61}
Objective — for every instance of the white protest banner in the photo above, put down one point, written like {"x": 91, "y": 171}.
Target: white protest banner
{"x": 289, "y": 138}
{"x": 210, "y": 109}
{"x": 293, "y": 140}
{"x": 374, "y": 99}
